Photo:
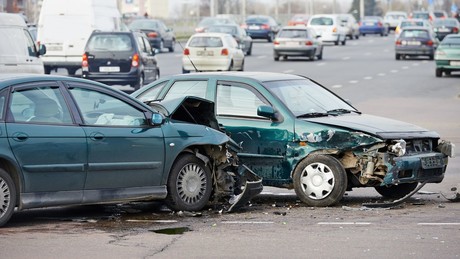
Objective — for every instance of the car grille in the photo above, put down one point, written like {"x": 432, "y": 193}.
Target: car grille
{"x": 416, "y": 146}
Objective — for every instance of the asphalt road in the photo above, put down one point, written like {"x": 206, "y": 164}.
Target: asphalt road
{"x": 277, "y": 225}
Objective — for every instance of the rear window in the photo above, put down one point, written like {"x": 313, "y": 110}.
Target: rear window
{"x": 223, "y": 29}
{"x": 204, "y": 41}
{"x": 257, "y": 20}
{"x": 109, "y": 42}
{"x": 415, "y": 34}
{"x": 322, "y": 21}
{"x": 293, "y": 34}
{"x": 421, "y": 16}
{"x": 451, "y": 41}
{"x": 445, "y": 22}
{"x": 411, "y": 23}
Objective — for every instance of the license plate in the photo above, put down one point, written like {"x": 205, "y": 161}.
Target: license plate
{"x": 414, "y": 43}
{"x": 205, "y": 53}
{"x": 292, "y": 43}
{"x": 369, "y": 23}
{"x": 253, "y": 27}
{"x": 455, "y": 63}
{"x": 444, "y": 30}
{"x": 432, "y": 162}
{"x": 109, "y": 69}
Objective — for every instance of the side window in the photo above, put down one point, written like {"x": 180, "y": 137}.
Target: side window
{"x": 39, "y": 105}
{"x": 147, "y": 46}
{"x": 238, "y": 100}
{"x": 30, "y": 44}
{"x": 3, "y": 95}
{"x": 101, "y": 109}
{"x": 140, "y": 43}
{"x": 187, "y": 88}
{"x": 152, "y": 93}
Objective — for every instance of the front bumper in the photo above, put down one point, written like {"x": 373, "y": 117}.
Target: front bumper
{"x": 448, "y": 65}
{"x": 206, "y": 64}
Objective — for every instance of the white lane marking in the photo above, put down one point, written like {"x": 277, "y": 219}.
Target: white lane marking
{"x": 288, "y": 71}
{"x": 247, "y": 222}
{"x": 370, "y": 41}
{"x": 344, "y": 223}
{"x": 381, "y": 74}
{"x": 386, "y": 50}
{"x": 345, "y": 58}
{"x": 405, "y": 67}
{"x": 368, "y": 53}
{"x": 321, "y": 64}
{"x": 178, "y": 55}
{"x": 353, "y": 81}
{"x": 262, "y": 56}
{"x": 415, "y": 64}
{"x": 336, "y": 86}
{"x": 439, "y": 224}
{"x": 394, "y": 71}
{"x": 368, "y": 78}
{"x": 425, "y": 61}
{"x": 354, "y": 44}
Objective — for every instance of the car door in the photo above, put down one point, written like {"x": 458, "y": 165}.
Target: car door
{"x": 50, "y": 148}
{"x": 125, "y": 153}
{"x": 148, "y": 59}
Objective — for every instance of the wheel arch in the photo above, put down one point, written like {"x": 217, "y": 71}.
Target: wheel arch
{"x": 13, "y": 170}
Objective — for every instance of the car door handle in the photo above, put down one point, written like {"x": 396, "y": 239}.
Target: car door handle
{"x": 96, "y": 136}
{"x": 20, "y": 136}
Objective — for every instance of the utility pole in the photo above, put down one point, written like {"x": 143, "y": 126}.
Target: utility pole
{"x": 361, "y": 9}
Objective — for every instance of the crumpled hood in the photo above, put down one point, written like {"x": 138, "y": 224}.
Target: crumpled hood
{"x": 378, "y": 126}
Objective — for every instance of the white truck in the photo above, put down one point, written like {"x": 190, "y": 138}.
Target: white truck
{"x": 65, "y": 25}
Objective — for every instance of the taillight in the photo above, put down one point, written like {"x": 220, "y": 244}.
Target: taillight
{"x": 308, "y": 43}
{"x": 276, "y": 42}
{"x": 429, "y": 43}
{"x": 135, "y": 60}
{"x": 244, "y": 26}
{"x": 224, "y": 52}
{"x": 265, "y": 27}
{"x": 455, "y": 30}
{"x": 152, "y": 35}
{"x": 380, "y": 24}
{"x": 398, "y": 42}
{"x": 200, "y": 29}
{"x": 186, "y": 52}
{"x": 334, "y": 30}
{"x": 84, "y": 62}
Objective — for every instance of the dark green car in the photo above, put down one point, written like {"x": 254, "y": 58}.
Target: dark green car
{"x": 67, "y": 141}
{"x": 297, "y": 134}
{"x": 447, "y": 55}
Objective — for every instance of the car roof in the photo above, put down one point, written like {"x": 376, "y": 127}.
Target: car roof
{"x": 210, "y": 34}
{"x": 297, "y": 27}
{"x": 257, "y": 76}
{"x": 408, "y": 28}
{"x": 13, "y": 79}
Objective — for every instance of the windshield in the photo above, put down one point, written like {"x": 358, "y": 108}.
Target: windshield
{"x": 144, "y": 24}
{"x": 293, "y": 33}
{"x": 449, "y": 41}
{"x": 303, "y": 96}
{"x": 326, "y": 21}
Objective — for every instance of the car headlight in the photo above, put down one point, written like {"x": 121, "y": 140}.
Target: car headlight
{"x": 439, "y": 54}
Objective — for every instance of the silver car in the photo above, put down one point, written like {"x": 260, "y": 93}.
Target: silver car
{"x": 297, "y": 41}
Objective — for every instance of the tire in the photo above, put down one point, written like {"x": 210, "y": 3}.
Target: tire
{"x": 276, "y": 58}
{"x": 344, "y": 41}
{"x": 312, "y": 56}
{"x": 438, "y": 72}
{"x": 162, "y": 46}
{"x": 357, "y": 36}
{"x": 242, "y": 66}
{"x": 336, "y": 42}
{"x": 320, "y": 55}
{"x": 173, "y": 45}
{"x": 230, "y": 68}
{"x": 71, "y": 71}
{"x": 398, "y": 56}
{"x": 249, "y": 52}
{"x": 185, "y": 71}
{"x": 47, "y": 70}
{"x": 157, "y": 75}
{"x": 7, "y": 197}
{"x": 320, "y": 180}
{"x": 396, "y": 191}
{"x": 189, "y": 184}
{"x": 140, "y": 82}
{"x": 270, "y": 37}
{"x": 431, "y": 57}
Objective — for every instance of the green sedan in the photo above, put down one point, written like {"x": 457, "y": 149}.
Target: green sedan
{"x": 297, "y": 134}
{"x": 447, "y": 55}
{"x": 70, "y": 141}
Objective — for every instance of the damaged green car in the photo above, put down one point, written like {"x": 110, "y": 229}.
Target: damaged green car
{"x": 297, "y": 134}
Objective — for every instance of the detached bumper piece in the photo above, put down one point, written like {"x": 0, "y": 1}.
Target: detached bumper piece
{"x": 252, "y": 187}
{"x": 396, "y": 202}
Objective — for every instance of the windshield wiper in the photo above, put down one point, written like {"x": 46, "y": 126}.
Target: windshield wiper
{"x": 312, "y": 115}
{"x": 341, "y": 111}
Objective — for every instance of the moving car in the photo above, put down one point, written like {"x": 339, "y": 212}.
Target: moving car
{"x": 444, "y": 27}
{"x": 69, "y": 141}
{"x": 329, "y": 27}
{"x": 447, "y": 55}
{"x": 392, "y": 19}
{"x": 120, "y": 58}
{"x": 349, "y": 21}
{"x": 416, "y": 41}
{"x": 212, "y": 51}
{"x": 297, "y": 41}
{"x": 439, "y": 14}
{"x": 240, "y": 35}
{"x": 424, "y": 15}
{"x": 373, "y": 25}
{"x": 18, "y": 52}
{"x": 209, "y": 21}
{"x": 159, "y": 35}
{"x": 411, "y": 23}
{"x": 261, "y": 27}
{"x": 298, "y": 134}
{"x": 299, "y": 20}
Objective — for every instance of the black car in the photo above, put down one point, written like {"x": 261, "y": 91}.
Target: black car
{"x": 120, "y": 58}
{"x": 261, "y": 27}
{"x": 159, "y": 35}
{"x": 239, "y": 34}
{"x": 444, "y": 27}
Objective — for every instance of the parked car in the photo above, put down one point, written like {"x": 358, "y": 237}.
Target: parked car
{"x": 411, "y": 23}
{"x": 212, "y": 52}
{"x": 297, "y": 133}
{"x": 18, "y": 51}
{"x": 349, "y": 21}
{"x": 120, "y": 58}
{"x": 261, "y": 27}
{"x": 373, "y": 25}
{"x": 297, "y": 41}
{"x": 299, "y": 19}
{"x": 447, "y": 55}
{"x": 329, "y": 27}
{"x": 159, "y": 35}
{"x": 209, "y": 21}
{"x": 439, "y": 14}
{"x": 69, "y": 141}
{"x": 392, "y": 19}
{"x": 446, "y": 26}
{"x": 416, "y": 41}
{"x": 240, "y": 35}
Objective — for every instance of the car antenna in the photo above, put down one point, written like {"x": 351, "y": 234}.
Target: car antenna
{"x": 196, "y": 70}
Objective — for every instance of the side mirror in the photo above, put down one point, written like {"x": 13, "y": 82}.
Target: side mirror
{"x": 267, "y": 112}
{"x": 42, "y": 50}
{"x": 157, "y": 119}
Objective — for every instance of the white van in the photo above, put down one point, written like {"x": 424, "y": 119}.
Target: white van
{"x": 18, "y": 53}
{"x": 65, "y": 25}
{"x": 330, "y": 27}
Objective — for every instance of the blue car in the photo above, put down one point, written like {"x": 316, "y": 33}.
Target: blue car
{"x": 373, "y": 25}
{"x": 261, "y": 27}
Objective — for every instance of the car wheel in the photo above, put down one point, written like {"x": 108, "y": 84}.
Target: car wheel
{"x": 242, "y": 66}
{"x": 337, "y": 42}
{"x": 7, "y": 197}
{"x": 189, "y": 184}
{"x": 431, "y": 57}
{"x": 398, "y": 56}
{"x": 396, "y": 191}
{"x": 276, "y": 58}
{"x": 438, "y": 72}
{"x": 344, "y": 41}
{"x": 47, "y": 70}
{"x": 140, "y": 82}
{"x": 271, "y": 37}
{"x": 71, "y": 71}
{"x": 157, "y": 75}
{"x": 312, "y": 55}
{"x": 173, "y": 45}
{"x": 320, "y": 180}
{"x": 357, "y": 36}
{"x": 320, "y": 55}
{"x": 162, "y": 45}
{"x": 184, "y": 71}
{"x": 230, "y": 68}
{"x": 249, "y": 52}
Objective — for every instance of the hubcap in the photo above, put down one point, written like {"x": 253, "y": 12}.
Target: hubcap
{"x": 317, "y": 181}
{"x": 191, "y": 183}
{"x": 4, "y": 197}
